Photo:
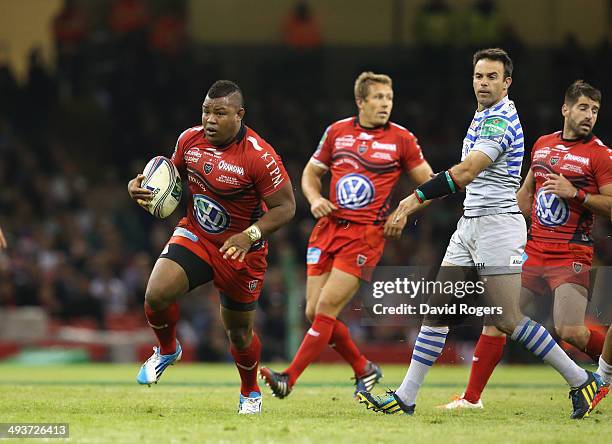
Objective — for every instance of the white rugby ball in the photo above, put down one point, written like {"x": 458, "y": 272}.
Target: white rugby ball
{"x": 163, "y": 180}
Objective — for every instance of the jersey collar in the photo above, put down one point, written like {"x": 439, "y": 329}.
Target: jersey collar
{"x": 376, "y": 128}
{"x": 239, "y": 136}
{"x": 585, "y": 139}
{"x": 495, "y": 107}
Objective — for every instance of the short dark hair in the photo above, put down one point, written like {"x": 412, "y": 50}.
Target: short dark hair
{"x": 581, "y": 88}
{"x": 496, "y": 54}
{"x": 223, "y": 88}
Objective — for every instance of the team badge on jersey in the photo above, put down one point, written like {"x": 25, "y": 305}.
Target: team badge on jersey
{"x": 211, "y": 215}
{"x": 253, "y": 285}
{"x": 354, "y": 191}
{"x": 551, "y": 210}
{"x": 577, "y": 267}
{"x": 554, "y": 160}
{"x": 208, "y": 167}
{"x": 362, "y": 148}
{"x": 361, "y": 260}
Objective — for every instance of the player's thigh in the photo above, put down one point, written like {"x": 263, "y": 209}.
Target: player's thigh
{"x": 239, "y": 325}
{"x": 570, "y": 305}
{"x": 167, "y": 282}
{"x": 314, "y": 285}
{"x": 504, "y": 290}
{"x": 338, "y": 290}
{"x": 438, "y": 301}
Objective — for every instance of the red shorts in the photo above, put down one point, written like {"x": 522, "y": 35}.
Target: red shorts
{"x": 350, "y": 247}
{"x": 240, "y": 281}
{"x": 550, "y": 264}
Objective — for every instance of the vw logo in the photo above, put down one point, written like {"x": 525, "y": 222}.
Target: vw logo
{"x": 551, "y": 210}
{"x": 354, "y": 191}
{"x": 211, "y": 216}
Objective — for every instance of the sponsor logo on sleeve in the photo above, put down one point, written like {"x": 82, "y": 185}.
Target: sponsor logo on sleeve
{"x": 494, "y": 129}
{"x": 273, "y": 169}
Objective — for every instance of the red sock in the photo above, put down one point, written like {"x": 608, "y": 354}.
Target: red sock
{"x": 595, "y": 344}
{"x": 342, "y": 342}
{"x": 487, "y": 354}
{"x": 163, "y": 323}
{"x": 246, "y": 361}
{"x": 314, "y": 342}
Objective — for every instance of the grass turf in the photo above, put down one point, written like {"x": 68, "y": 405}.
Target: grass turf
{"x": 197, "y": 403}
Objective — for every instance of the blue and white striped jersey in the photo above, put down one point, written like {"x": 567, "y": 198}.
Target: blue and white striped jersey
{"x": 497, "y": 132}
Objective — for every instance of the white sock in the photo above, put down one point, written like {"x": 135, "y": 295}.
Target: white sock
{"x": 538, "y": 341}
{"x": 427, "y": 348}
{"x": 604, "y": 370}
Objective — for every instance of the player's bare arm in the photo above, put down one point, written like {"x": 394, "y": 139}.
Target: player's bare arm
{"x": 524, "y": 195}
{"x": 142, "y": 196}
{"x": 2, "y": 240}
{"x": 311, "y": 187}
{"x": 448, "y": 182}
{"x": 418, "y": 175}
{"x": 281, "y": 209}
{"x": 598, "y": 203}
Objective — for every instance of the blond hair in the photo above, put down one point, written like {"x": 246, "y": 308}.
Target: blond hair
{"x": 364, "y": 81}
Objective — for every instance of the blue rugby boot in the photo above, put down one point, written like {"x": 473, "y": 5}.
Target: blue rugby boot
{"x": 152, "y": 369}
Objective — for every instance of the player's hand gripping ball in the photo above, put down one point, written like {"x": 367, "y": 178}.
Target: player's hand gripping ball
{"x": 158, "y": 189}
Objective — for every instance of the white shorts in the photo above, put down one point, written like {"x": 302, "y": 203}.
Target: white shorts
{"x": 494, "y": 244}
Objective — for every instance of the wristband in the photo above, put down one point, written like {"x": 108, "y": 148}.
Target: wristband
{"x": 253, "y": 232}
{"x": 441, "y": 185}
{"x": 581, "y": 196}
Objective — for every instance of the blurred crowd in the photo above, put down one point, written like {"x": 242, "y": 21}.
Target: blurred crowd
{"x": 126, "y": 84}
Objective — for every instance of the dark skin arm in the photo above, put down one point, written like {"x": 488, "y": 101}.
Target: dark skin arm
{"x": 281, "y": 209}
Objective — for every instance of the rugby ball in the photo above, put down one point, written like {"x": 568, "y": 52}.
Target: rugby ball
{"x": 163, "y": 180}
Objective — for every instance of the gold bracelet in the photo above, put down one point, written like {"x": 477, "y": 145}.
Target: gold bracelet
{"x": 253, "y": 232}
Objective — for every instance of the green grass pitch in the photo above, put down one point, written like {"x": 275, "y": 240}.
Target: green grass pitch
{"x": 197, "y": 403}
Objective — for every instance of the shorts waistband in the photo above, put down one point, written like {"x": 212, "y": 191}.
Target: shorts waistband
{"x": 496, "y": 214}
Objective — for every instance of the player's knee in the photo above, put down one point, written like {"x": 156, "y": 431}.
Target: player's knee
{"x": 240, "y": 337}
{"x": 328, "y": 307}
{"x": 157, "y": 298}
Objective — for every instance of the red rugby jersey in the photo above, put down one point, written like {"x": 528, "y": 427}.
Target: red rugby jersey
{"x": 587, "y": 164}
{"x": 365, "y": 165}
{"x": 227, "y": 184}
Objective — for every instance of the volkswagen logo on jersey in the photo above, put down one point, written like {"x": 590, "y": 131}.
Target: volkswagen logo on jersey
{"x": 211, "y": 216}
{"x": 354, "y": 191}
{"x": 551, "y": 210}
